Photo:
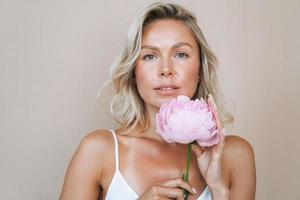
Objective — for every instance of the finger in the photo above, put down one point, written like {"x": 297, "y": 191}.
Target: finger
{"x": 222, "y": 140}
{"x": 215, "y": 111}
{"x": 216, "y": 116}
{"x": 178, "y": 182}
{"x": 170, "y": 192}
{"x": 197, "y": 150}
{"x": 163, "y": 198}
{"x": 175, "y": 193}
{"x": 219, "y": 147}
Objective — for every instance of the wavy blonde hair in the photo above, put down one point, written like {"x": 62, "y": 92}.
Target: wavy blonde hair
{"x": 126, "y": 106}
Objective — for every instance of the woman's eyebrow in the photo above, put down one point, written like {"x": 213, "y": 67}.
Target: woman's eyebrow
{"x": 182, "y": 44}
{"x": 175, "y": 46}
{"x": 150, "y": 47}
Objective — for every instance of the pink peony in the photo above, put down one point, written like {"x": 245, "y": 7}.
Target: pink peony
{"x": 183, "y": 121}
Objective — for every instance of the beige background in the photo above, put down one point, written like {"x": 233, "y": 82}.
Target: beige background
{"x": 55, "y": 54}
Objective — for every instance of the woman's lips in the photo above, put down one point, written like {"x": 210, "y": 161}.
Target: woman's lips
{"x": 166, "y": 90}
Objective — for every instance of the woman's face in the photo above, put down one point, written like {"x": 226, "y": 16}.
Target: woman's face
{"x": 169, "y": 63}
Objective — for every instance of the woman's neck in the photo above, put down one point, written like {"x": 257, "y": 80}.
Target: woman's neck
{"x": 149, "y": 131}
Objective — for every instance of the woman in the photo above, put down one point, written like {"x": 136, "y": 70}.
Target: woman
{"x": 166, "y": 55}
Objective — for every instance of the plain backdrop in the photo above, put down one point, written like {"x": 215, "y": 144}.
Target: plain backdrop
{"x": 55, "y": 54}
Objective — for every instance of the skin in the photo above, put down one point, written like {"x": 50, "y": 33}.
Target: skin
{"x": 168, "y": 56}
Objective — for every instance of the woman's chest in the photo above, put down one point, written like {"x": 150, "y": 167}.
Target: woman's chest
{"x": 143, "y": 165}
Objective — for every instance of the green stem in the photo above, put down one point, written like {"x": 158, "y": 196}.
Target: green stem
{"x": 186, "y": 172}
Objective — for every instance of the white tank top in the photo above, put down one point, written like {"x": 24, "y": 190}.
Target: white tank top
{"x": 119, "y": 189}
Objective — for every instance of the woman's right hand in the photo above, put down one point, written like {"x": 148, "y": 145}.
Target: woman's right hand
{"x": 168, "y": 189}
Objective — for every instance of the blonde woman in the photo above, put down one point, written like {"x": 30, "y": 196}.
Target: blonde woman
{"x": 165, "y": 55}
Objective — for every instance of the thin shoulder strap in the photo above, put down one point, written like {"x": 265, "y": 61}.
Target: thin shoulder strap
{"x": 116, "y": 149}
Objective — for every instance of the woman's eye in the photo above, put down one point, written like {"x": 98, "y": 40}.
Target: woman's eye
{"x": 149, "y": 57}
{"x": 181, "y": 55}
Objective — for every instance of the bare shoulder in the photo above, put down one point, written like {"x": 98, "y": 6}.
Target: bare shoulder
{"x": 236, "y": 146}
{"x": 240, "y": 164}
{"x": 96, "y": 146}
{"x": 97, "y": 141}
{"x": 84, "y": 173}
{"x": 238, "y": 152}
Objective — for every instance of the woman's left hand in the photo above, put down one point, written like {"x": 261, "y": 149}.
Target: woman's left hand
{"x": 210, "y": 158}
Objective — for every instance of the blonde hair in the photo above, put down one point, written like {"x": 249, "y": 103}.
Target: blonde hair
{"x": 126, "y": 106}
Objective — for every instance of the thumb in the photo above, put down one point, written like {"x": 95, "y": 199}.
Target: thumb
{"x": 197, "y": 150}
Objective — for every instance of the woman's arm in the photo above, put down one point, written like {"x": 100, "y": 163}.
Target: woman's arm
{"x": 227, "y": 167}
{"x": 82, "y": 179}
{"x": 239, "y": 159}
{"x": 229, "y": 173}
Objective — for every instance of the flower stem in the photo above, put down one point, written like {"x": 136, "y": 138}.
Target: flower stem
{"x": 186, "y": 172}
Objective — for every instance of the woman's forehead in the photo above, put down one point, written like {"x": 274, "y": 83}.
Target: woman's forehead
{"x": 167, "y": 32}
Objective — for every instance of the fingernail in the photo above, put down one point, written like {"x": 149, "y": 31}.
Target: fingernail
{"x": 194, "y": 190}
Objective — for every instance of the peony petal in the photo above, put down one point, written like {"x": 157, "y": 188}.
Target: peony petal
{"x": 167, "y": 135}
{"x": 212, "y": 141}
{"x": 183, "y": 120}
{"x": 182, "y": 98}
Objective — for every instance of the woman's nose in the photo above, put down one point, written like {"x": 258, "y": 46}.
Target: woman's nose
{"x": 166, "y": 69}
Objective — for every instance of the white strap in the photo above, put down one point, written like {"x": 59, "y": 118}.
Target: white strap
{"x": 116, "y": 149}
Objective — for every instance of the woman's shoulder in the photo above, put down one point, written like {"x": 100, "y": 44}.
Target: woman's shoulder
{"x": 96, "y": 137}
{"x": 238, "y": 154}
{"x": 236, "y": 146}
{"x": 87, "y": 165}
{"x": 97, "y": 142}
{"x": 95, "y": 147}
{"x": 239, "y": 163}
